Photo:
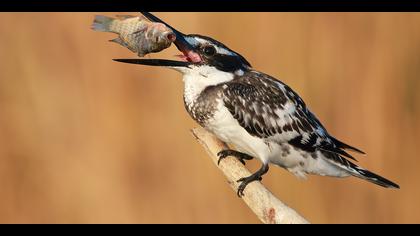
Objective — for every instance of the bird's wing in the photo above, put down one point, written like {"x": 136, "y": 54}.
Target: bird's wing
{"x": 271, "y": 110}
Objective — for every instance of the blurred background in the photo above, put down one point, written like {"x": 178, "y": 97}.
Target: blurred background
{"x": 84, "y": 139}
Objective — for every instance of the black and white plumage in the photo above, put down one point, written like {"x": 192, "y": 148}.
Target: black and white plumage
{"x": 259, "y": 115}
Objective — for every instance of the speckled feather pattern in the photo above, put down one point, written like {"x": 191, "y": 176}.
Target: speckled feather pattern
{"x": 263, "y": 117}
{"x": 272, "y": 112}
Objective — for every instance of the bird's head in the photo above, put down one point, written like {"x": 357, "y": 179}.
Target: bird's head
{"x": 197, "y": 52}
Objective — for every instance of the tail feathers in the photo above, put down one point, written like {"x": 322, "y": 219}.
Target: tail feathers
{"x": 371, "y": 177}
{"x": 358, "y": 171}
{"x": 346, "y": 146}
{"x": 102, "y": 23}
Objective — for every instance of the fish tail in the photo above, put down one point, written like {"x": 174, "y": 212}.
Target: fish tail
{"x": 102, "y": 23}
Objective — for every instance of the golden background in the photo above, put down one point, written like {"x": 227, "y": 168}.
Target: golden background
{"x": 84, "y": 139}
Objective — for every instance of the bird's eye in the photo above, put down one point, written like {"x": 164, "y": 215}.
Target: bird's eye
{"x": 209, "y": 50}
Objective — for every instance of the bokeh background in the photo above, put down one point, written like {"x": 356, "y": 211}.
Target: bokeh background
{"x": 84, "y": 139}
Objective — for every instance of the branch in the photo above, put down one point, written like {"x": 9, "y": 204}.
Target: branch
{"x": 262, "y": 202}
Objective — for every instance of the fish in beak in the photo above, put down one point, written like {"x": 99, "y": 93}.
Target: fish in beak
{"x": 188, "y": 57}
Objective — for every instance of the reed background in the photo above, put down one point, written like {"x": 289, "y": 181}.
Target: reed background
{"x": 84, "y": 139}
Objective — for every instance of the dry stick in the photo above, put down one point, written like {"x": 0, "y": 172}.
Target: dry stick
{"x": 262, "y": 202}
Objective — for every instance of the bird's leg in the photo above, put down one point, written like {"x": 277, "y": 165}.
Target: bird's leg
{"x": 256, "y": 176}
{"x": 229, "y": 152}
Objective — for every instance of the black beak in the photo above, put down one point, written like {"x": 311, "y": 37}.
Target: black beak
{"x": 180, "y": 42}
{"x": 155, "y": 62}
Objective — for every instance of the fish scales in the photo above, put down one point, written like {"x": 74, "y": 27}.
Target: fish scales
{"x": 136, "y": 33}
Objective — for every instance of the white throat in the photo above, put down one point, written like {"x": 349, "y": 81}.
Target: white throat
{"x": 198, "y": 78}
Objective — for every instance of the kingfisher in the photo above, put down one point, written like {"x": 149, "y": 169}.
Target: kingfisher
{"x": 259, "y": 116}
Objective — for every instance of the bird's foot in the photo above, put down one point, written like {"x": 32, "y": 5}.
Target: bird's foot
{"x": 254, "y": 177}
{"x": 244, "y": 182}
{"x": 229, "y": 152}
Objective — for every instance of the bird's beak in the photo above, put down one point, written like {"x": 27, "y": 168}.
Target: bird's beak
{"x": 189, "y": 55}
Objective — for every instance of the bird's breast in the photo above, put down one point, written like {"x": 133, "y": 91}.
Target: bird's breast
{"x": 203, "y": 107}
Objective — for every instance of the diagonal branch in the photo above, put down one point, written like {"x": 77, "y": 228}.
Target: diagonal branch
{"x": 262, "y": 202}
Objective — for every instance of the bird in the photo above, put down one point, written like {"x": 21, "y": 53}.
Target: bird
{"x": 258, "y": 115}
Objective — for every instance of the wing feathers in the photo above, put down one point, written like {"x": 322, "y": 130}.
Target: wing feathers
{"x": 271, "y": 110}
{"x": 346, "y": 146}
{"x": 336, "y": 151}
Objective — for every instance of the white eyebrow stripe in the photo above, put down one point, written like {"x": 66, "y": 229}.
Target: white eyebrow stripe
{"x": 224, "y": 51}
{"x": 218, "y": 49}
{"x": 192, "y": 41}
{"x": 201, "y": 41}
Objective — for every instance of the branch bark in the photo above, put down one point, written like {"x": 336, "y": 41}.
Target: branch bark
{"x": 263, "y": 203}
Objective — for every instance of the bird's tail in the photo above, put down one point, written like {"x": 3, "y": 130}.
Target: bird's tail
{"x": 371, "y": 177}
{"x": 357, "y": 171}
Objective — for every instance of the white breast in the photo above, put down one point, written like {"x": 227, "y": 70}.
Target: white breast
{"x": 198, "y": 78}
{"x": 227, "y": 128}
{"x": 223, "y": 125}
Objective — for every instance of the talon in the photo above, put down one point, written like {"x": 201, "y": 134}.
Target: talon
{"x": 239, "y": 156}
{"x": 247, "y": 180}
{"x": 240, "y": 180}
{"x": 220, "y": 158}
{"x": 241, "y": 189}
{"x": 240, "y": 193}
{"x": 222, "y": 155}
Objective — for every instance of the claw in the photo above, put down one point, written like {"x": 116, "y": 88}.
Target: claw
{"x": 245, "y": 181}
{"x": 239, "y": 156}
{"x": 240, "y": 180}
{"x": 240, "y": 192}
{"x": 241, "y": 189}
{"x": 257, "y": 176}
{"x": 222, "y": 155}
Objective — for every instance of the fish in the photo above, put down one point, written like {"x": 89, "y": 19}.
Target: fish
{"x": 136, "y": 33}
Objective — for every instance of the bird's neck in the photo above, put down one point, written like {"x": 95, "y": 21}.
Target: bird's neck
{"x": 197, "y": 79}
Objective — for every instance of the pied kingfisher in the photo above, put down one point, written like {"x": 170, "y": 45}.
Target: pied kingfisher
{"x": 259, "y": 115}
